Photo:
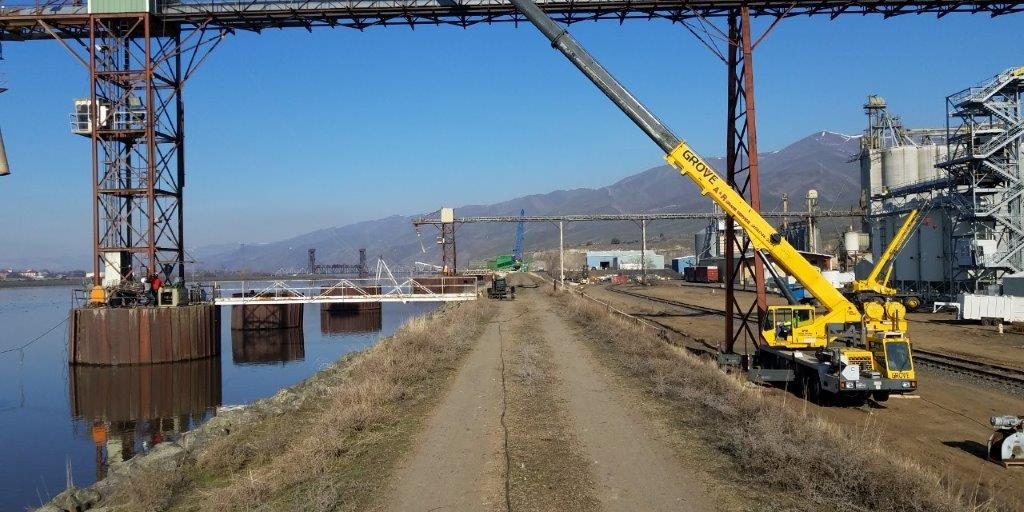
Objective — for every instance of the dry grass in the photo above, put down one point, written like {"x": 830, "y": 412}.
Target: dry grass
{"x": 769, "y": 445}
{"x": 152, "y": 488}
{"x": 328, "y": 443}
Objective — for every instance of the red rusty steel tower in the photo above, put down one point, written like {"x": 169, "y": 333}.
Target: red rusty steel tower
{"x": 134, "y": 117}
{"x": 742, "y": 318}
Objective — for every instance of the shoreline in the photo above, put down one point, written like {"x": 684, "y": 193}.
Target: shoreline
{"x": 178, "y": 474}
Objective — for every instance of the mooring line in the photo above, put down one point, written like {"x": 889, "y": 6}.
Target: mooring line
{"x": 37, "y": 338}
{"x": 504, "y": 426}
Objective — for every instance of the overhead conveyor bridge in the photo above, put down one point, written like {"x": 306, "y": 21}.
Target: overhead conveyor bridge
{"x": 24, "y": 20}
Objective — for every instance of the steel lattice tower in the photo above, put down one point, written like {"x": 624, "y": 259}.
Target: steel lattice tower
{"x": 985, "y": 130}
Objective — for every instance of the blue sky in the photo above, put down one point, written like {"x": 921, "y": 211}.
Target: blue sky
{"x": 291, "y": 131}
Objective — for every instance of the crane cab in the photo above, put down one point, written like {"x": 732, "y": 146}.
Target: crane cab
{"x": 892, "y": 351}
{"x": 791, "y": 327}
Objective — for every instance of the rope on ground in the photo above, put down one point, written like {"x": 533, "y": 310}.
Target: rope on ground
{"x": 958, "y": 413}
{"x": 37, "y": 338}
{"x": 504, "y": 426}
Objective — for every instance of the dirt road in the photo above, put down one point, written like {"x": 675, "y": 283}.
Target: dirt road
{"x": 533, "y": 421}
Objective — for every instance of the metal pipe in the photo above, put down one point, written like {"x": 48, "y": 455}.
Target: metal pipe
{"x": 565, "y": 43}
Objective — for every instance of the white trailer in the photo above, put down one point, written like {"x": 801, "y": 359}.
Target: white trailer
{"x": 991, "y": 309}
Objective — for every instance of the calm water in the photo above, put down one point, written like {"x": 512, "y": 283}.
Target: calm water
{"x": 52, "y": 415}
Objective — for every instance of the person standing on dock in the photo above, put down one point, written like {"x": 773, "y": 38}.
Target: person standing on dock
{"x": 155, "y": 285}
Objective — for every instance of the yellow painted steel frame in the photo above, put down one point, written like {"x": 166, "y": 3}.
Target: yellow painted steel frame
{"x": 764, "y": 237}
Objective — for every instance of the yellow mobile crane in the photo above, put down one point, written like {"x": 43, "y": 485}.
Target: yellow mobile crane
{"x": 875, "y": 287}
{"x": 837, "y": 350}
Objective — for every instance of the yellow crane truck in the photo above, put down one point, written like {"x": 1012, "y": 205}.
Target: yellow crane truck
{"x": 833, "y": 350}
{"x": 875, "y": 287}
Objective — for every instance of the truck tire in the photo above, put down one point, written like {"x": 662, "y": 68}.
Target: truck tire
{"x": 912, "y": 302}
{"x": 880, "y": 396}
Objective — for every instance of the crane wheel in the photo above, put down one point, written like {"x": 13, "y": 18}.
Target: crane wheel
{"x": 912, "y": 303}
{"x": 880, "y": 396}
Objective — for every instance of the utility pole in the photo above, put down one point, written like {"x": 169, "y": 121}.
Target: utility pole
{"x": 561, "y": 254}
{"x": 812, "y": 202}
{"x": 785, "y": 209}
{"x": 643, "y": 250}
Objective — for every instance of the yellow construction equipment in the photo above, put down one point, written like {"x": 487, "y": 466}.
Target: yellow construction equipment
{"x": 875, "y": 287}
{"x": 833, "y": 350}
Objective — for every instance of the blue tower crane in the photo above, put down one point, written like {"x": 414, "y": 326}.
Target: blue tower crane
{"x": 517, "y": 249}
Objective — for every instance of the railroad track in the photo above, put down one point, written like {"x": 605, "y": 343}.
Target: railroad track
{"x": 988, "y": 372}
{"x": 692, "y": 307}
{"x": 1005, "y": 375}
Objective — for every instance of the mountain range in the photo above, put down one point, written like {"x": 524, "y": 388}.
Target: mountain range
{"x": 824, "y": 161}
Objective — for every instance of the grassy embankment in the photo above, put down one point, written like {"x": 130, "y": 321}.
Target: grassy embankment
{"x": 757, "y": 442}
{"x": 335, "y": 445}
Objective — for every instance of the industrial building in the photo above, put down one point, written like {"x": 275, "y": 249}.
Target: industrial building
{"x": 966, "y": 178}
{"x": 624, "y": 260}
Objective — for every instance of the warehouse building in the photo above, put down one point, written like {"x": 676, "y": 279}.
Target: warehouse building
{"x": 623, "y": 260}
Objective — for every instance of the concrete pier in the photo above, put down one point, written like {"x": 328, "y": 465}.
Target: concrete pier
{"x": 143, "y": 335}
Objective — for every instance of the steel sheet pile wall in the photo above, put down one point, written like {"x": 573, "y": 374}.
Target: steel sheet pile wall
{"x": 266, "y": 316}
{"x": 114, "y": 336}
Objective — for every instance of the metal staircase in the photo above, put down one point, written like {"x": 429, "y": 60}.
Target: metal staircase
{"x": 985, "y": 135}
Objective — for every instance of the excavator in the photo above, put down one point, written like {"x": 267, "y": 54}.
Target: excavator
{"x": 875, "y": 287}
{"x": 834, "y": 350}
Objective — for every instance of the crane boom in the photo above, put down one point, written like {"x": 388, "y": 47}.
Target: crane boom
{"x": 517, "y": 248}
{"x": 690, "y": 164}
{"x": 843, "y": 351}
{"x": 886, "y": 259}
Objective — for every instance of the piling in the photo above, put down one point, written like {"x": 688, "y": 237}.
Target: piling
{"x": 258, "y": 317}
{"x": 143, "y": 335}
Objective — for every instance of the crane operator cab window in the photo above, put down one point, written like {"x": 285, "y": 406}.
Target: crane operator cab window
{"x": 897, "y": 356}
{"x": 784, "y": 319}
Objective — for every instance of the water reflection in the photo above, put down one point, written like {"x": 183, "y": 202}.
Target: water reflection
{"x": 131, "y": 408}
{"x": 335, "y": 323}
{"x": 267, "y": 346}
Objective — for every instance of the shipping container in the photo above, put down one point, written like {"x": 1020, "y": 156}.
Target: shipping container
{"x": 712, "y": 275}
{"x": 705, "y": 275}
{"x": 1002, "y": 308}
{"x": 690, "y": 274}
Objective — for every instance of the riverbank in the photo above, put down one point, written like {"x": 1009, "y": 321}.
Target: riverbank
{"x": 321, "y": 441}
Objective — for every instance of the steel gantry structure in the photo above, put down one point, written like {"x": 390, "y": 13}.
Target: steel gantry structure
{"x": 140, "y": 53}
{"x": 448, "y": 225}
